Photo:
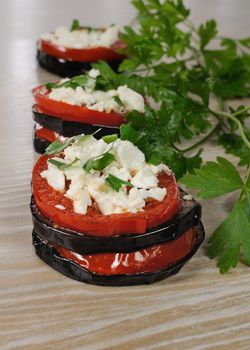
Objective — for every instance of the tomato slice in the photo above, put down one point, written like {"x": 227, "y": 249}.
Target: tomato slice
{"x": 70, "y": 112}
{"x": 151, "y": 259}
{"x": 94, "y": 223}
{"x": 83, "y": 55}
{"x": 46, "y": 134}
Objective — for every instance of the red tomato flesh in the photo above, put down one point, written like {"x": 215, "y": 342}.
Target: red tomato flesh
{"x": 151, "y": 259}
{"x": 83, "y": 55}
{"x": 70, "y": 112}
{"x": 96, "y": 224}
{"x": 46, "y": 134}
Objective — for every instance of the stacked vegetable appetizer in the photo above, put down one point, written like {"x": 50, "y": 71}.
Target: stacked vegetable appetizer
{"x": 69, "y": 51}
{"x": 103, "y": 215}
{"x": 81, "y": 104}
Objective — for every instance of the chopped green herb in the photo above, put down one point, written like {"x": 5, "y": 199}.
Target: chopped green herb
{"x": 62, "y": 165}
{"x": 110, "y": 138}
{"x": 50, "y": 86}
{"x": 116, "y": 183}
{"x": 99, "y": 162}
{"x": 57, "y": 147}
{"x": 118, "y": 101}
{"x": 75, "y": 25}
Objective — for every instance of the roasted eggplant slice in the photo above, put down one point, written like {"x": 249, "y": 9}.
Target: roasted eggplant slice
{"x": 40, "y": 145}
{"x": 69, "y": 128}
{"x": 64, "y": 68}
{"x": 48, "y": 254}
{"x": 189, "y": 216}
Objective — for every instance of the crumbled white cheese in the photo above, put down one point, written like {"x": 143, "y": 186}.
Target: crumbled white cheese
{"x": 145, "y": 178}
{"x": 156, "y": 193}
{"x": 160, "y": 168}
{"x": 81, "y": 201}
{"x": 54, "y": 176}
{"x": 187, "y": 197}
{"x": 101, "y": 101}
{"x": 131, "y": 99}
{"x": 129, "y": 156}
{"x": 86, "y": 188}
{"x": 94, "y": 73}
{"x": 38, "y": 126}
{"x": 59, "y": 206}
{"x": 89, "y": 147}
{"x": 82, "y": 38}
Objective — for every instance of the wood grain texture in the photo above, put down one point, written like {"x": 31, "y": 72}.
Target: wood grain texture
{"x": 41, "y": 309}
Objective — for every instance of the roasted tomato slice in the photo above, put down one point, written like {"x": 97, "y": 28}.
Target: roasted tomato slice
{"x": 150, "y": 259}
{"x": 46, "y": 134}
{"x": 75, "y": 113}
{"x": 94, "y": 223}
{"x": 83, "y": 55}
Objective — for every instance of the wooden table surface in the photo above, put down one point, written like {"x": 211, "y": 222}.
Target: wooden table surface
{"x": 40, "y": 308}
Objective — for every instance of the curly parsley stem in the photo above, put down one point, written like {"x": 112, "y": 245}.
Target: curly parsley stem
{"x": 200, "y": 142}
{"x": 236, "y": 121}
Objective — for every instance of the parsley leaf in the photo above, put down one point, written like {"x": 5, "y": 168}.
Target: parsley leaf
{"x": 233, "y": 144}
{"x": 228, "y": 239}
{"x": 99, "y": 163}
{"x": 116, "y": 183}
{"x": 214, "y": 179}
{"x": 108, "y": 78}
{"x": 233, "y": 235}
{"x": 207, "y": 32}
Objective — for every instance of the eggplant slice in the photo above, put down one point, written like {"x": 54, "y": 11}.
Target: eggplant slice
{"x": 67, "y": 267}
{"x": 64, "y": 68}
{"x": 40, "y": 145}
{"x": 69, "y": 128}
{"x": 188, "y": 217}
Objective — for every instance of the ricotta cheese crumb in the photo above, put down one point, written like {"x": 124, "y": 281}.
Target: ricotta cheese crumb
{"x": 59, "y": 206}
{"x": 101, "y": 101}
{"x": 54, "y": 176}
{"x": 187, "y": 197}
{"x": 82, "y": 38}
{"x": 87, "y": 188}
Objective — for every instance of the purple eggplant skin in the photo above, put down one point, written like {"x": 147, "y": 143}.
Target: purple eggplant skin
{"x": 67, "y": 69}
{"x": 40, "y": 145}
{"x": 189, "y": 216}
{"x": 69, "y": 128}
{"x": 47, "y": 253}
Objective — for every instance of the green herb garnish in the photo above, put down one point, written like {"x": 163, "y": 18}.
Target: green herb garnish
{"x": 118, "y": 101}
{"x": 110, "y": 138}
{"x": 115, "y": 183}
{"x": 183, "y": 73}
{"x": 62, "y": 165}
{"x": 100, "y": 162}
{"x": 215, "y": 179}
{"x": 50, "y": 86}
{"x": 75, "y": 25}
{"x": 57, "y": 147}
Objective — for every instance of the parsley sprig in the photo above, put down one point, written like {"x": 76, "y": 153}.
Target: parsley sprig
{"x": 215, "y": 179}
{"x": 175, "y": 63}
